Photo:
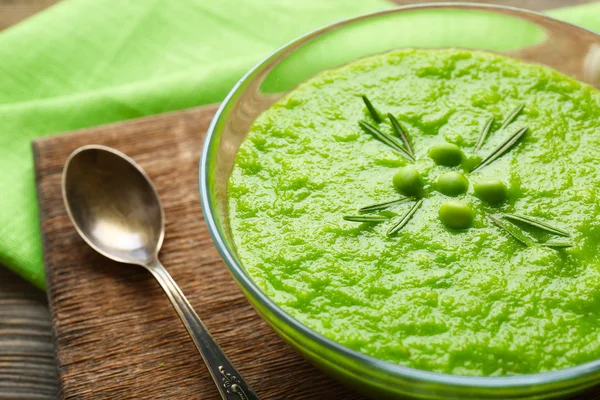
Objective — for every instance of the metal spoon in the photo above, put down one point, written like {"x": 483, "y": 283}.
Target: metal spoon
{"x": 117, "y": 211}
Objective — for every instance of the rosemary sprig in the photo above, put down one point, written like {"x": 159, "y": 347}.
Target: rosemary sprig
{"x": 371, "y": 109}
{"x": 381, "y": 206}
{"x": 504, "y": 147}
{"x": 391, "y": 141}
{"x": 405, "y": 218}
{"x": 512, "y": 230}
{"x": 511, "y": 117}
{"x": 484, "y": 133}
{"x": 536, "y": 223}
{"x": 401, "y": 134}
{"x": 557, "y": 244}
{"x": 365, "y": 218}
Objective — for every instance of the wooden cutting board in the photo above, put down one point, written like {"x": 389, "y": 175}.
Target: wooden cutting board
{"x": 116, "y": 335}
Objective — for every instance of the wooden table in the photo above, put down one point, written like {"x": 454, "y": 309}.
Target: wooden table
{"x": 27, "y": 369}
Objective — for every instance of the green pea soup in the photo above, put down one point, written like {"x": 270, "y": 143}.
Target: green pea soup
{"x": 437, "y": 209}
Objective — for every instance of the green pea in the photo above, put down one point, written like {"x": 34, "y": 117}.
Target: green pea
{"x": 471, "y": 162}
{"x": 447, "y": 154}
{"x": 492, "y": 191}
{"x": 456, "y": 215}
{"x": 408, "y": 181}
{"x": 452, "y": 184}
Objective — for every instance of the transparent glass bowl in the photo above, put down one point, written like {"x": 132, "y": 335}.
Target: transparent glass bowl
{"x": 516, "y": 33}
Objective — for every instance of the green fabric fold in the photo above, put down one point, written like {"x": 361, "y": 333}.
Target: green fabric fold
{"x": 83, "y": 63}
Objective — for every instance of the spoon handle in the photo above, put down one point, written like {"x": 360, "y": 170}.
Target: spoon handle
{"x": 230, "y": 383}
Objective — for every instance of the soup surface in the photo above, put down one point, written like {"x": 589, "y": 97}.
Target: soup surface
{"x": 509, "y": 285}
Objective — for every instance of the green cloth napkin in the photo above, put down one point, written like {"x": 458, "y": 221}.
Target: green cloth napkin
{"x": 85, "y": 62}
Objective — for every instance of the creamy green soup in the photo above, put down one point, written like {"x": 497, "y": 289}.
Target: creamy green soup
{"x": 494, "y": 267}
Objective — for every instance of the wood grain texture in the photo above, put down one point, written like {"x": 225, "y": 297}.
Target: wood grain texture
{"x": 27, "y": 368}
{"x": 117, "y": 336}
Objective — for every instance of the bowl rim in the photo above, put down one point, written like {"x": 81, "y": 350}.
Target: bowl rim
{"x": 248, "y": 285}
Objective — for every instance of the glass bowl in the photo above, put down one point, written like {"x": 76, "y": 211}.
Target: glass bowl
{"x": 513, "y": 32}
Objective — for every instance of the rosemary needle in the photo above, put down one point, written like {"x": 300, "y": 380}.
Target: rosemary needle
{"x": 504, "y": 147}
{"x": 401, "y": 134}
{"x": 557, "y": 244}
{"x": 484, "y": 133}
{"x": 364, "y": 218}
{"x": 535, "y": 223}
{"x": 391, "y": 141}
{"x": 405, "y": 218}
{"x": 371, "y": 109}
{"x": 381, "y": 206}
{"x": 511, "y": 117}
{"x": 512, "y": 230}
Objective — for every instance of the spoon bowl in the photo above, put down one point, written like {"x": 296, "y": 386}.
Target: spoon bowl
{"x": 113, "y": 205}
{"x": 116, "y": 210}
